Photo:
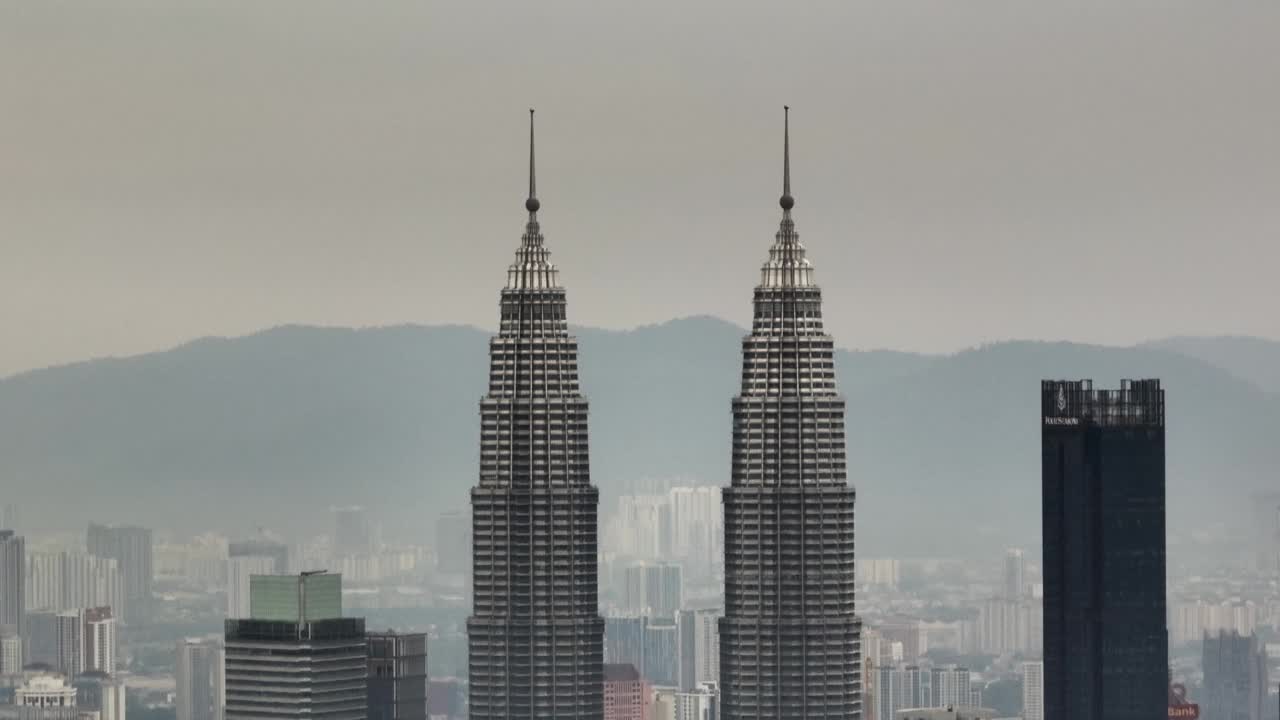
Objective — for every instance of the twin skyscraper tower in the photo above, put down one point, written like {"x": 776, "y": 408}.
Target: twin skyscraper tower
{"x": 789, "y": 638}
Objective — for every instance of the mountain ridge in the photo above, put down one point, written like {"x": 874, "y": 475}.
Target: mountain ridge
{"x": 274, "y": 427}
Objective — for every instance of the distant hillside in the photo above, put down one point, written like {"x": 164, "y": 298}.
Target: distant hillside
{"x": 1249, "y": 358}
{"x": 275, "y": 428}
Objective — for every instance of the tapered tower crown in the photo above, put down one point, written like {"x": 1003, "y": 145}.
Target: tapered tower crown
{"x": 532, "y": 268}
{"x": 787, "y": 265}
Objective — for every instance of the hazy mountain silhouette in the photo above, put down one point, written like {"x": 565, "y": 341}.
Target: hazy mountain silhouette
{"x": 1249, "y": 358}
{"x": 274, "y": 428}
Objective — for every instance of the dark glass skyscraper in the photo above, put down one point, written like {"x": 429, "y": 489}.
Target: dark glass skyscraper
{"x": 535, "y": 634}
{"x": 789, "y": 640}
{"x": 1106, "y": 648}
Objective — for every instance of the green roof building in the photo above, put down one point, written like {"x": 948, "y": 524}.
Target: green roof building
{"x": 295, "y": 598}
{"x": 296, "y": 657}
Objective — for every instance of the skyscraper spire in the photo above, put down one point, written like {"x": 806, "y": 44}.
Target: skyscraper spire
{"x": 787, "y": 265}
{"x": 786, "y": 201}
{"x": 789, "y": 637}
{"x": 535, "y": 636}
{"x": 532, "y": 203}
{"x": 532, "y": 268}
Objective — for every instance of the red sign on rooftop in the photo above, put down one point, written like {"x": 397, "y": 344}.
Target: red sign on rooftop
{"x": 1179, "y": 708}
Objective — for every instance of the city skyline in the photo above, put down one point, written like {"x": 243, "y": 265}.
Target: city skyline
{"x": 396, "y": 504}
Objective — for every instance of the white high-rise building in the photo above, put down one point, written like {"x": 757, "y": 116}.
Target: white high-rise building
{"x": 950, "y": 686}
{"x": 10, "y": 652}
{"x": 1190, "y": 621}
{"x": 873, "y": 649}
{"x": 85, "y": 641}
{"x": 1033, "y": 691}
{"x": 100, "y": 643}
{"x": 239, "y": 570}
{"x": 697, "y": 526}
{"x": 699, "y": 639}
{"x": 1009, "y": 626}
{"x": 879, "y": 571}
{"x": 62, "y": 581}
{"x": 701, "y": 703}
{"x": 655, "y": 589}
{"x": 641, "y": 528}
{"x": 201, "y": 680}
{"x": 897, "y": 689}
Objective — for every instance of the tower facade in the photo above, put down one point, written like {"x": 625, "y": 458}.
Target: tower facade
{"x": 1014, "y": 574}
{"x": 131, "y": 548}
{"x": 297, "y": 657}
{"x": 1235, "y": 677}
{"x": 201, "y": 679}
{"x": 397, "y": 676}
{"x": 1106, "y": 646}
{"x": 535, "y": 635}
{"x": 789, "y": 640}
{"x": 13, "y": 573}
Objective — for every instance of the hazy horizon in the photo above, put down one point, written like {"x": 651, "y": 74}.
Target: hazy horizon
{"x": 964, "y": 173}
{"x": 491, "y": 328}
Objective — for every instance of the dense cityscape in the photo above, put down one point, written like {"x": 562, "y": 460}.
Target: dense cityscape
{"x": 679, "y": 598}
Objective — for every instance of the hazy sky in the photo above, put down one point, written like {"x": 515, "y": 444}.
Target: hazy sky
{"x": 965, "y": 170}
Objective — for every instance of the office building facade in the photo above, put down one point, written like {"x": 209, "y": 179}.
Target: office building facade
{"x": 1033, "y": 690}
{"x": 85, "y": 641}
{"x": 100, "y": 693}
{"x": 1015, "y": 568}
{"x": 11, "y": 658}
{"x": 699, "y": 647}
{"x": 789, "y": 637}
{"x": 100, "y": 641}
{"x": 131, "y": 548}
{"x": 1235, "y": 677}
{"x": 201, "y": 684}
{"x": 13, "y": 573}
{"x": 1103, "y": 515}
{"x": 59, "y": 581}
{"x": 654, "y": 589}
{"x": 626, "y": 693}
{"x": 950, "y": 686}
{"x": 535, "y": 634}
{"x": 296, "y": 656}
{"x": 397, "y": 676}
{"x": 898, "y": 688}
